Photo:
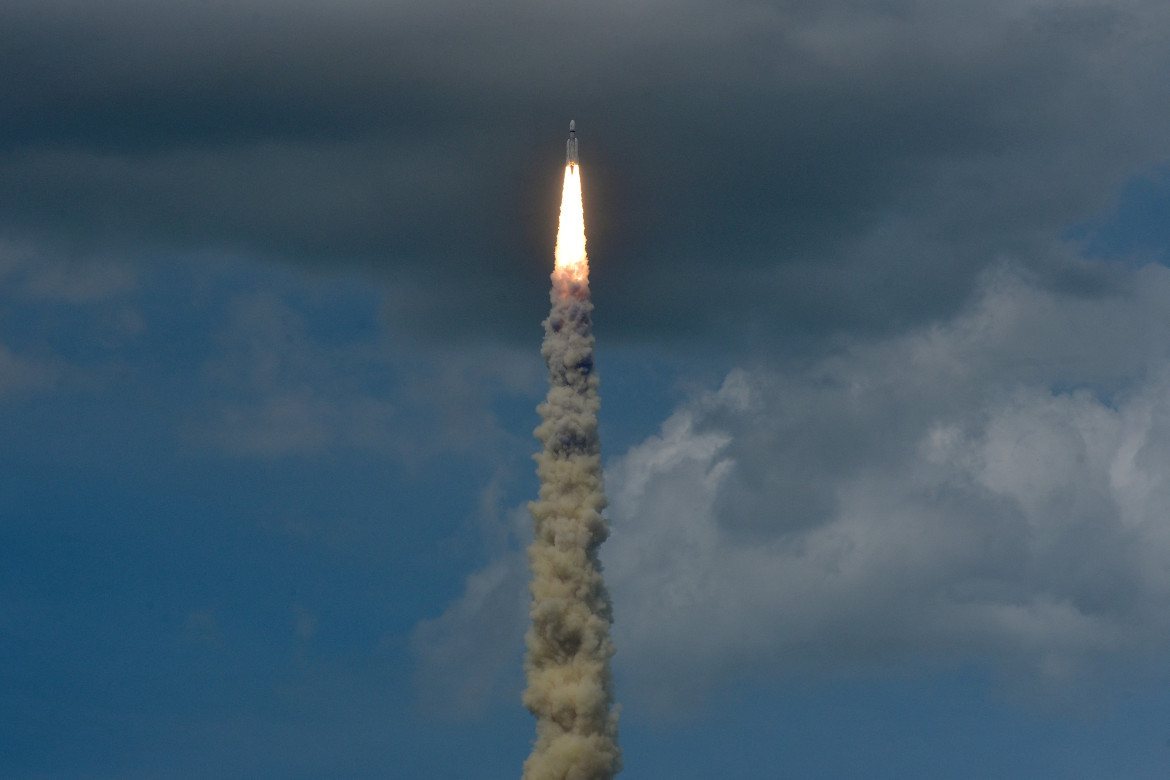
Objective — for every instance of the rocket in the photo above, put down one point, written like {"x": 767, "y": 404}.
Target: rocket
{"x": 571, "y": 144}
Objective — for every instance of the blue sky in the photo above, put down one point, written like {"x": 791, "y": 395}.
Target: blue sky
{"x": 881, "y": 315}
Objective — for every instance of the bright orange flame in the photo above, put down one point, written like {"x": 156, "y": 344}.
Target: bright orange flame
{"x": 572, "y": 264}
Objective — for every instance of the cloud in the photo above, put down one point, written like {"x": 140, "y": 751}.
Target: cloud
{"x": 285, "y": 381}
{"x": 35, "y": 276}
{"x": 21, "y": 375}
{"x": 466, "y": 653}
{"x": 48, "y": 298}
{"x": 284, "y": 425}
{"x": 787, "y": 169}
{"x": 988, "y": 490}
{"x": 984, "y": 491}
{"x": 470, "y": 655}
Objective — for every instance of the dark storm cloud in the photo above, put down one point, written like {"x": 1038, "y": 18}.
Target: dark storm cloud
{"x": 748, "y": 167}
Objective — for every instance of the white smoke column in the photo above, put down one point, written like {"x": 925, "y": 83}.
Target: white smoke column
{"x": 570, "y": 690}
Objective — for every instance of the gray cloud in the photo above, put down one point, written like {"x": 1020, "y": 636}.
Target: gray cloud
{"x": 988, "y": 490}
{"x": 470, "y": 656}
{"x": 30, "y": 275}
{"x": 83, "y": 295}
{"x": 984, "y": 490}
{"x": 805, "y": 167}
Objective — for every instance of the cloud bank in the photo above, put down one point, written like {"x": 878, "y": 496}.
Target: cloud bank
{"x": 786, "y": 168}
{"x": 986, "y": 491}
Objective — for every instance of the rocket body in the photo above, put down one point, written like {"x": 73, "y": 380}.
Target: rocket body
{"x": 571, "y": 144}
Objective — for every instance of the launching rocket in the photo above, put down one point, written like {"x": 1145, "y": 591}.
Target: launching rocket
{"x": 570, "y": 686}
{"x": 571, "y": 144}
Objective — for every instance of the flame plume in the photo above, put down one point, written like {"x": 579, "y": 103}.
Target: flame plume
{"x": 572, "y": 263}
{"x": 570, "y": 690}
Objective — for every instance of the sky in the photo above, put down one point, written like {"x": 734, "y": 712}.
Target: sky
{"x": 882, "y": 314}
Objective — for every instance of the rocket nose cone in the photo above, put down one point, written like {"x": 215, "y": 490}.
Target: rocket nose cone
{"x": 572, "y": 125}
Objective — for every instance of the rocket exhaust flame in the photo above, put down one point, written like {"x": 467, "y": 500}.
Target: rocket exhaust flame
{"x": 572, "y": 265}
{"x": 570, "y": 690}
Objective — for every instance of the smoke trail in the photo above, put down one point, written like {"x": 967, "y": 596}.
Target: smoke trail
{"x": 570, "y": 690}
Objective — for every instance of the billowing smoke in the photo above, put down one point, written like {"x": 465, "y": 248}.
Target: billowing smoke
{"x": 570, "y": 690}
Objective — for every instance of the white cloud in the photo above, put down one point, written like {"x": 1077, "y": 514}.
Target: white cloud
{"x": 466, "y": 653}
{"x": 993, "y": 490}
{"x": 470, "y": 655}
